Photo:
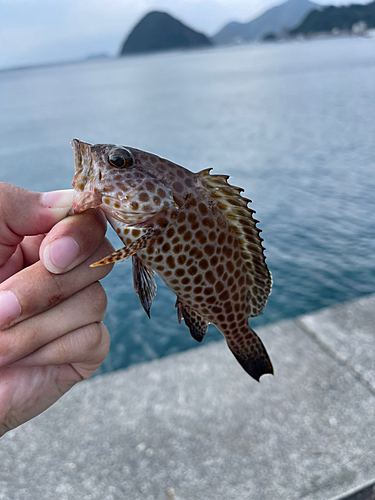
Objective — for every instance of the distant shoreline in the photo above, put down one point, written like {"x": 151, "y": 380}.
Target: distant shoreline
{"x": 90, "y": 59}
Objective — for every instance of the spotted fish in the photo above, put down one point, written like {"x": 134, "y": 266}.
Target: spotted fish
{"x": 194, "y": 230}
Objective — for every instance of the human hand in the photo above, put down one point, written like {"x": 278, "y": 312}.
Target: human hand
{"x": 51, "y": 304}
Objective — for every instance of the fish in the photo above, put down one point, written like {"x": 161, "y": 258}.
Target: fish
{"x": 195, "y": 230}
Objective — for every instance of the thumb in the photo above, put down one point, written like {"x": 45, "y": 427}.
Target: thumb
{"x": 28, "y": 213}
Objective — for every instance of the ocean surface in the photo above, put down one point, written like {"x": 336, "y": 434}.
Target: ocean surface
{"x": 292, "y": 123}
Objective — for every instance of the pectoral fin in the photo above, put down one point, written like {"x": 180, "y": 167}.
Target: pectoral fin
{"x": 128, "y": 250}
{"x": 196, "y": 324}
{"x": 144, "y": 283}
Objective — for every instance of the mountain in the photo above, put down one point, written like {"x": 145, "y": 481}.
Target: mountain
{"x": 276, "y": 20}
{"x": 341, "y": 18}
{"x": 159, "y": 31}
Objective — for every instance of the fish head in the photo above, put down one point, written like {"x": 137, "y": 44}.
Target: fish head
{"x": 118, "y": 180}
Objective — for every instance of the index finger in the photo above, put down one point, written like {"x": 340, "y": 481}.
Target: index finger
{"x": 28, "y": 213}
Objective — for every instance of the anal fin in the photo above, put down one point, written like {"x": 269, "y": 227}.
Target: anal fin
{"x": 144, "y": 283}
{"x": 196, "y": 324}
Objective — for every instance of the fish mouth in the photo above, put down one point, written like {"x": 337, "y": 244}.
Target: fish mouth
{"x": 85, "y": 196}
{"x": 82, "y": 154}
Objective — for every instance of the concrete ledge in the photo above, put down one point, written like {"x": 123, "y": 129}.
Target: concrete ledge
{"x": 195, "y": 426}
{"x": 365, "y": 492}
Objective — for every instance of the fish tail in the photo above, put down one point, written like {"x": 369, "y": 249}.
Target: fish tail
{"x": 250, "y": 352}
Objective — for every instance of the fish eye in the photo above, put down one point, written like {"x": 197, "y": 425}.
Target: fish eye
{"x": 121, "y": 158}
{"x": 117, "y": 161}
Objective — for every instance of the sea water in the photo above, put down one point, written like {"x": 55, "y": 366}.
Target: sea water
{"x": 292, "y": 123}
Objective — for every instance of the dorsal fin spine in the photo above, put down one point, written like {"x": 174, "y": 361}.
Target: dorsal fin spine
{"x": 240, "y": 218}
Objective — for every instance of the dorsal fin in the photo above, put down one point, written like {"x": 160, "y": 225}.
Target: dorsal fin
{"x": 240, "y": 217}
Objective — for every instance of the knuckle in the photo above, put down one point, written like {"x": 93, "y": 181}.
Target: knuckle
{"x": 97, "y": 340}
{"x": 97, "y": 299}
{"x": 93, "y": 337}
{"x": 97, "y": 343}
{"x": 9, "y": 194}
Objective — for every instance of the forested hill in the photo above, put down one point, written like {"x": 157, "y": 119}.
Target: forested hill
{"x": 342, "y": 18}
{"x": 159, "y": 31}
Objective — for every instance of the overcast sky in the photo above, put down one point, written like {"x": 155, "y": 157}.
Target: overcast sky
{"x": 41, "y": 31}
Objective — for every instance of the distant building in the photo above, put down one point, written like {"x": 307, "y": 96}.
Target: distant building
{"x": 359, "y": 28}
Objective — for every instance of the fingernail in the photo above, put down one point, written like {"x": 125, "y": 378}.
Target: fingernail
{"x": 58, "y": 199}
{"x": 9, "y": 308}
{"x": 59, "y": 255}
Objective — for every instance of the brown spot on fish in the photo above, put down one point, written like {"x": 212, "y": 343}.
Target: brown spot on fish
{"x": 210, "y": 277}
{"x": 221, "y": 238}
{"x": 203, "y": 264}
{"x": 214, "y": 260}
{"x": 163, "y": 222}
{"x": 193, "y": 270}
{"x": 187, "y": 236}
{"x": 144, "y": 197}
{"x": 203, "y": 208}
{"x": 198, "y": 279}
{"x": 192, "y": 217}
{"x": 177, "y": 186}
{"x": 170, "y": 262}
{"x": 181, "y": 216}
{"x": 209, "y": 250}
{"x": 208, "y": 222}
{"x": 150, "y": 186}
{"x": 166, "y": 247}
{"x": 181, "y": 259}
{"x": 170, "y": 232}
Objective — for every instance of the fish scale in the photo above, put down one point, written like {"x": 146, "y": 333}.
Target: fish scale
{"x": 194, "y": 230}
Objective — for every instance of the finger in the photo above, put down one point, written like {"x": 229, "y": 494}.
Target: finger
{"x": 34, "y": 289}
{"x": 30, "y": 249}
{"x": 25, "y": 213}
{"x": 85, "y": 307}
{"x": 72, "y": 241}
{"x": 25, "y": 254}
{"x": 84, "y": 348}
{"x": 25, "y": 392}
{"x": 12, "y": 265}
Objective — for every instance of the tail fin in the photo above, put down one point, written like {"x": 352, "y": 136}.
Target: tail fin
{"x": 250, "y": 352}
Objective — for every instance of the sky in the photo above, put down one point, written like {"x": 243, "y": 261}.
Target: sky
{"x": 45, "y": 31}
